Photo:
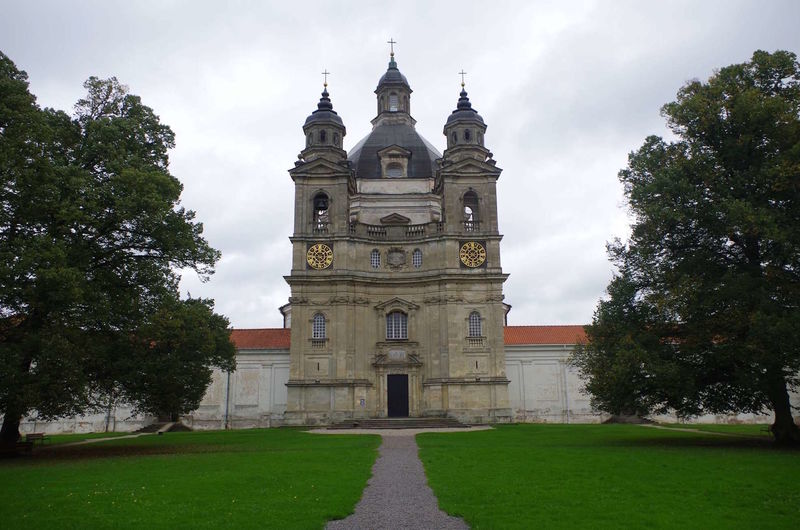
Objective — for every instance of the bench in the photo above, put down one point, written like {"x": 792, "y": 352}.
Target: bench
{"x": 34, "y": 437}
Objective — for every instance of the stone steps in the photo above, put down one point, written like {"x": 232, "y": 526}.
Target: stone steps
{"x": 399, "y": 423}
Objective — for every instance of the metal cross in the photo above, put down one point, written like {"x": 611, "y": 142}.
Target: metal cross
{"x": 391, "y": 42}
{"x": 326, "y": 73}
{"x": 462, "y": 73}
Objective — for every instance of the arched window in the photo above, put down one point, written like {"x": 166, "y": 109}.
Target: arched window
{"x": 480, "y": 138}
{"x": 321, "y": 217}
{"x": 467, "y": 135}
{"x": 323, "y": 136}
{"x": 336, "y": 139}
{"x": 310, "y": 139}
{"x": 393, "y": 103}
{"x": 416, "y": 258}
{"x": 475, "y": 324}
{"x": 405, "y": 103}
{"x": 394, "y": 170}
{"x": 471, "y": 218}
{"x": 396, "y": 326}
{"x": 375, "y": 259}
{"x": 455, "y": 138}
{"x": 318, "y": 327}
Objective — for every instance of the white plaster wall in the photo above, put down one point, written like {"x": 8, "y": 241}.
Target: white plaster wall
{"x": 544, "y": 388}
{"x": 118, "y": 419}
{"x": 252, "y": 396}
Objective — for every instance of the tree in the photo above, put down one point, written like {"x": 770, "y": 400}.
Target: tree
{"x": 170, "y": 370}
{"x": 704, "y": 314}
{"x": 91, "y": 235}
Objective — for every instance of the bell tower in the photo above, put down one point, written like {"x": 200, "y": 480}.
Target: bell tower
{"x": 396, "y": 283}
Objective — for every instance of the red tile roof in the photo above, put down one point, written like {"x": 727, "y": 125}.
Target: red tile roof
{"x": 544, "y": 334}
{"x": 261, "y": 339}
{"x": 279, "y": 338}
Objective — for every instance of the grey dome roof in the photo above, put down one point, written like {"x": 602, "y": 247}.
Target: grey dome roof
{"x": 364, "y": 155}
{"x": 393, "y": 77}
{"x": 324, "y": 111}
{"x": 464, "y": 110}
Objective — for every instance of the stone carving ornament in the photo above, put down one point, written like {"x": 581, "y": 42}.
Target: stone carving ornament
{"x": 396, "y": 258}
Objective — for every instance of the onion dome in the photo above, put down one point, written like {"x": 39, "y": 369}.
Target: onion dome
{"x": 324, "y": 111}
{"x": 464, "y": 110}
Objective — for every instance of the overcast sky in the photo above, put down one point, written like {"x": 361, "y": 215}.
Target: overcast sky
{"x": 567, "y": 89}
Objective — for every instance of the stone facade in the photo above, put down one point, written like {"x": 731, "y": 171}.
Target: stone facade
{"x": 379, "y": 284}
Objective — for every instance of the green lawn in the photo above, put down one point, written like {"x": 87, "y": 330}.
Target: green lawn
{"x": 611, "y": 476}
{"x": 237, "y": 479}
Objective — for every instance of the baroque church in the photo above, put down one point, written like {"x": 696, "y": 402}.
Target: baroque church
{"x": 397, "y": 306}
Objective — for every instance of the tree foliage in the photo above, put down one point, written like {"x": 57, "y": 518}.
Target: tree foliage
{"x": 91, "y": 234}
{"x": 704, "y": 315}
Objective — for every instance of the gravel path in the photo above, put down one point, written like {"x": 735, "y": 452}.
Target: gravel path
{"x": 397, "y": 496}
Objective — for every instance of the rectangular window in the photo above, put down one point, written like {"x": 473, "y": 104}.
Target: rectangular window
{"x": 396, "y": 326}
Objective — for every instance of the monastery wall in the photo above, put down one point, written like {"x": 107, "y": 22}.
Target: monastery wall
{"x": 543, "y": 389}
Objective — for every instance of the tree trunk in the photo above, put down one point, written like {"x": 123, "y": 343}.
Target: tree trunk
{"x": 9, "y": 432}
{"x": 784, "y": 429}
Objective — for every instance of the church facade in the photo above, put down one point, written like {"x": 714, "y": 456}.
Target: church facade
{"x": 396, "y": 281}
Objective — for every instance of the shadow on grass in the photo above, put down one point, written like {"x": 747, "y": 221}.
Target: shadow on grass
{"x": 100, "y": 450}
{"x": 709, "y": 441}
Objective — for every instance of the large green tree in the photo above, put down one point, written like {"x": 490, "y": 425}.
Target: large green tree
{"x": 704, "y": 315}
{"x": 91, "y": 234}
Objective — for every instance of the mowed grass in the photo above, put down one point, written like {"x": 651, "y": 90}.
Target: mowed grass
{"x": 237, "y": 479}
{"x": 611, "y": 476}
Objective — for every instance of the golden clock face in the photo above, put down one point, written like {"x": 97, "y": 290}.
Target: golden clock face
{"x": 319, "y": 256}
{"x": 472, "y": 254}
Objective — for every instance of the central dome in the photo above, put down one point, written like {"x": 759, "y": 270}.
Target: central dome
{"x": 364, "y": 155}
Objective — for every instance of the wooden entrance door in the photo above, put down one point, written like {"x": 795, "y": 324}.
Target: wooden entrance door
{"x": 397, "y": 400}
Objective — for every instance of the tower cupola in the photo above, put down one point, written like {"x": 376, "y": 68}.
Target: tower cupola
{"x": 394, "y": 92}
{"x": 465, "y": 128}
{"x": 324, "y": 131}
